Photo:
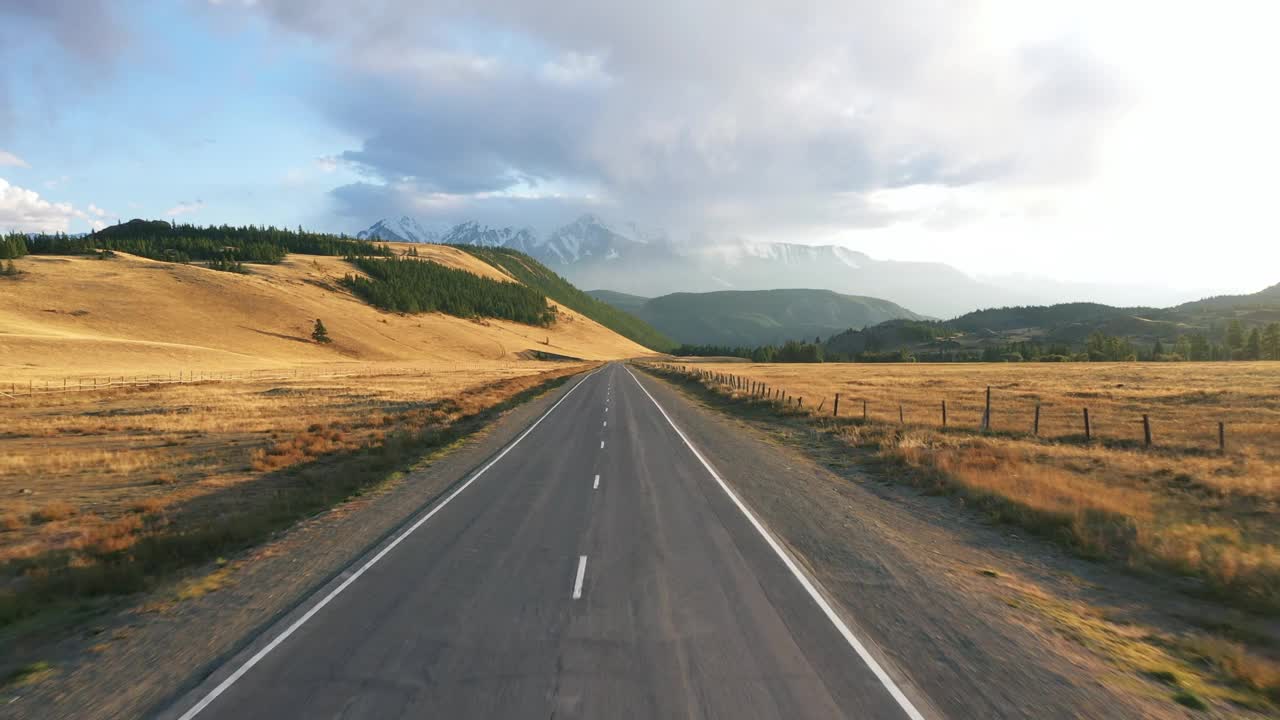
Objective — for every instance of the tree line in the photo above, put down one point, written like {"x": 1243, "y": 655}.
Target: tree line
{"x": 13, "y": 245}
{"x": 1257, "y": 343}
{"x": 224, "y": 247}
{"x": 414, "y": 286}
{"x": 792, "y": 351}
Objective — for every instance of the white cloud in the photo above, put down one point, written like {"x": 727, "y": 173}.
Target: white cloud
{"x": 25, "y": 211}
{"x": 573, "y": 68}
{"x": 8, "y": 159}
{"x": 184, "y": 208}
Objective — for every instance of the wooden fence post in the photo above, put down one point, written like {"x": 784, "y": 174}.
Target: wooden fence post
{"x": 944, "y": 413}
{"x": 1146, "y": 431}
{"x": 901, "y": 420}
{"x": 820, "y": 404}
{"x": 986, "y": 414}
{"x": 1035, "y": 426}
{"x": 864, "y": 411}
{"x": 1088, "y": 431}
{"x": 1222, "y": 438}
{"x": 835, "y": 408}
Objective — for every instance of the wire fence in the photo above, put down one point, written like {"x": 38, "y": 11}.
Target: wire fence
{"x": 1007, "y": 416}
{"x": 14, "y": 390}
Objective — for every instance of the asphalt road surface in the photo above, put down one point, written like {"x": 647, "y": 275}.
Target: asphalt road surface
{"x": 596, "y": 568}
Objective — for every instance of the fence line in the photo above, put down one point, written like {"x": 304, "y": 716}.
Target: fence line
{"x": 16, "y": 390}
{"x": 779, "y": 396}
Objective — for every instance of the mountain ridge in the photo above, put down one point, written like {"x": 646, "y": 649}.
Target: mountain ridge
{"x": 755, "y": 317}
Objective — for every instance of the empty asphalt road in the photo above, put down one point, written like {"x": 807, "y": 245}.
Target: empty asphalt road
{"x": 597, "y": 567}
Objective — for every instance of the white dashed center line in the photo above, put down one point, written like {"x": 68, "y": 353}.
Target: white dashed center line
{"x": 596, "y": 486}
{"x": 582, "y": 572}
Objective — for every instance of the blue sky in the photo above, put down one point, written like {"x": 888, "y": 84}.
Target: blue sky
{"x": 205, "y": 118}
{"x": 1071, "y": 140}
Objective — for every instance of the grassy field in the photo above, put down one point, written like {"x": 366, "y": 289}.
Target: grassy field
{"x": 1177, "y": 506}
{"x": 107, "y": 492}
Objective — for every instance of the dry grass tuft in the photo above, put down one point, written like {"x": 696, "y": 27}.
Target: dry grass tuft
{"x": 1232, "y": 658}
{"x": 54, "y": 511}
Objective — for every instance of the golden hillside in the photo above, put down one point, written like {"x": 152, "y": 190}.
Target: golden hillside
{"x": 80, "y": 316}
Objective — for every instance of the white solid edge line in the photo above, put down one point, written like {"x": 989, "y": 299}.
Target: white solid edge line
{"x": 596, "y": 484}
{"x": 582, "y": 571}
{"x": 257, "y": 657}
{"x": 830, "y": 612}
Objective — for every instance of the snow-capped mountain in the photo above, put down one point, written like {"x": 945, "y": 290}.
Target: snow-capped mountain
{"x": 593, "y": 254}
{"x": 406, "y": 229}
{"x": 473, "y": 233}
{"x": 587, "y": 239}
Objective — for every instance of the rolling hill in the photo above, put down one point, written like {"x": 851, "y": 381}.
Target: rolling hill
{"x": 125, "y": 315}
{"x": 755, "y": 317}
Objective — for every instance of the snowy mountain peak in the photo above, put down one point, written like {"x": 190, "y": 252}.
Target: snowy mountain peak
{"x": 406, "y": 229}
{"x": 587, "y": 238}
{"x": 473, "y": 233}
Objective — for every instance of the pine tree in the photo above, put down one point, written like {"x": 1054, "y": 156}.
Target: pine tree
{"x": 1157, "y": 350}
{"x": 1200, "y": 349}
{"x": 1253, "y": 346}
{"x": 1271, "y": 342}
{"x": 1235, "y": 335}
{"x": 1183, "y": 347}
{"x": 319, "y": 333}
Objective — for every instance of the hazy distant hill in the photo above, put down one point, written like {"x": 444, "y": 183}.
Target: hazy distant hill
{"x": 755, "y": 317}
{"x": 1065, "y": 328}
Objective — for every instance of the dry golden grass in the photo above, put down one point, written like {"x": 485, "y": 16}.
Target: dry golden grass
{"x": 64, "y": 319}
{"x": 120, "y": 487}
{"x": 1178, "y": 506}
{"x": 93, "y": 456}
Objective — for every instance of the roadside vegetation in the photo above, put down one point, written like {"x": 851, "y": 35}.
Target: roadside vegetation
{"x": 1178, "y": 509}
{"x": 112, "y": 493}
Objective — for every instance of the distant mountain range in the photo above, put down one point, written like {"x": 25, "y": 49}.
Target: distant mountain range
{"x": 755, "y": 317}
{"x": 592, "y": 253}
